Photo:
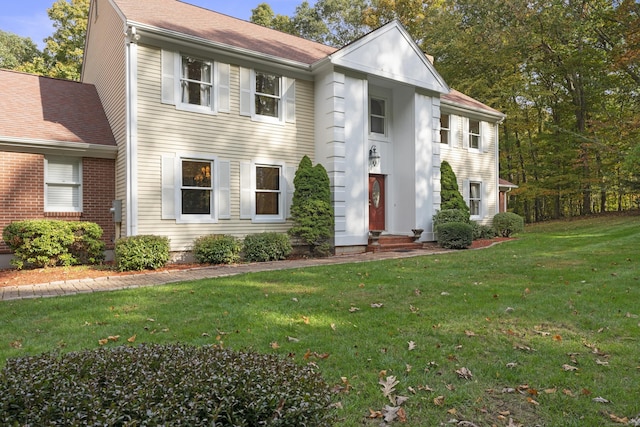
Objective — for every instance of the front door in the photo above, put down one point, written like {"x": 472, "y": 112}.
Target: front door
{"x": 376, "y": 202}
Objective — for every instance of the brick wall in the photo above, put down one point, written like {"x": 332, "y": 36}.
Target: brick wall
{"x": 22, "y": 192}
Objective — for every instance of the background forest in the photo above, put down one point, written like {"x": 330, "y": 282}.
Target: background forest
{"x": 565, "y": 72}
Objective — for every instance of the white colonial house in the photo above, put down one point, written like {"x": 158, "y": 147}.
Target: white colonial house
{"x": 211, "y": 116}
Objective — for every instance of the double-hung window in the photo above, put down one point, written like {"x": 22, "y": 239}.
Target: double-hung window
{"x": 196, "y": 82}
{"x": 196, "y": 188}
{"x": 377, "y": 116}
{"x": 267, "y": 94}
{"x": 474, "y": 134}
{"x": 268, "y": 202}
{"x": 445, "y": 128}
{"x": 63, "y": 184}
{"x": 475, "y": 198}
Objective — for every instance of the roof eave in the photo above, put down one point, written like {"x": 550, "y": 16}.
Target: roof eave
{"x": 67, "y": 148}
{"x": 498, "y": 116}
{"x": 176, "y": 37}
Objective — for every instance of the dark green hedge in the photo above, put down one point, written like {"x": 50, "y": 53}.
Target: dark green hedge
{"x": 455, "y": 235}
{"x": 269, "y": 246}
{"x": 172, "y": 385}
{"x": 508, "y": 223}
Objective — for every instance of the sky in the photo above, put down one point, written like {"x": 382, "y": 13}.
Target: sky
{"x": 28, "y": 18}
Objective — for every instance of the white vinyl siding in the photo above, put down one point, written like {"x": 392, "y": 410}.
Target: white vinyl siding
{"x": 165, "y": 134}
{"x": 474, "y": 165}
{"x": 63, "y": 184}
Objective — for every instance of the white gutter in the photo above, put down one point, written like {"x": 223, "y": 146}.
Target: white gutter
{"x": 67, "y": 148}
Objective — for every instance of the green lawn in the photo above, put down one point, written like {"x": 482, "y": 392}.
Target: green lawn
{"x": 545, "y": 324}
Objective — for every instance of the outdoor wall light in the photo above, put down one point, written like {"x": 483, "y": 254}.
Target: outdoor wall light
{"x": 374, "y": 156}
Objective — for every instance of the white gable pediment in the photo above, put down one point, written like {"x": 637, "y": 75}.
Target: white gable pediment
{"x": 389, "y": 52}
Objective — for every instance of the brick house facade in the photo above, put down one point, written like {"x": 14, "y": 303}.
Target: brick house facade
{"x": 46, "y": 121}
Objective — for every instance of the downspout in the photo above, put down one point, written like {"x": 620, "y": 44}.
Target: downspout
{"x": 131, "y": 99}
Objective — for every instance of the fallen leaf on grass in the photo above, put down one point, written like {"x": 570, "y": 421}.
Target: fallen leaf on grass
{"x": 353, "y": 309}
{"x": 602, "y": 363}
{"x": 132, "y": 338}
{"x": 292, "y": 339}
{"x": 617, "y": 419}
{"x": 412, "y": 345}
{"x": 600, "y": 399}
{"x": 377, "y": 305}
{"x": 569, "y": 367}
{"x": 470, "y": 333}
{"x": 389, "y": 386}
{"x": 16, "y": 344}
{"x": 438, "y": 401}
{"x": 274, "y": 345}
{"x": 532, "y": 401}
{"x": 464, "y": 373}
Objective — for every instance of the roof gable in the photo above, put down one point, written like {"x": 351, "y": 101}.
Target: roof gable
{"x": 179, "y": 18}
{"x": 46, "y": 109}
{"x": 390, "y": 52}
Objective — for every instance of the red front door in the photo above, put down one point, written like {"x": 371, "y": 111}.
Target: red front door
{"x": 376, "y": 202}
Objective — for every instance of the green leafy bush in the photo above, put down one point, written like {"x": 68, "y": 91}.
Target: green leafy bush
{"x": 268, "y": 246}
{"x": 144, "y": 252}
{"x": 216, "y": 249}
{"x": 311, "y": 208}
{"x": 455, "y": 235}
{"x": 47, "y": 243}
{"x": 173, "y": 384}
{"x": 508, "y": 223}
{"x": 445, "y": 216}
{"x": 481, "y": 231}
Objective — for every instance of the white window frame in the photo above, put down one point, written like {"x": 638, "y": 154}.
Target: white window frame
{"x": 74, "y": 185}
{"x": 183, "y": 80}
{"x": 278, "y": 97}
{"x": 212, "y": 215}
{"x": 268, "y": 218}
{"x": 446, "y": 141}
{"x": 384, "y": 117}
{"x": 478, "y": 200}
{"x": 473, "y": 135}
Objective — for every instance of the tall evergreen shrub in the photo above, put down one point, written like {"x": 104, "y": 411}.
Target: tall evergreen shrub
{"x": 449, "y": 192}
{"x": 311, "y": 208}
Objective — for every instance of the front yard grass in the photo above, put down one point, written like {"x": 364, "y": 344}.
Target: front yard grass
{"x": 547, "y": 325}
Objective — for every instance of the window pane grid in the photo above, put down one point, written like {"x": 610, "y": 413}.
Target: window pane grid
{"x": 197, "y": 187}
{"x": 377, "y": 116}
{"x": 267, "y": 94}
{"x": 474, "y": 134}
{"x": 444, "y": 128}
{"x": 196, "y": 81}
{"x": 268, "y": 194}
{"x": 474, "y": 198}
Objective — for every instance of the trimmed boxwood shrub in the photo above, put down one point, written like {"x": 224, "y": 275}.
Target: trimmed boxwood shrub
{"x": 173, "y": 384}
{"x": 455, "y": 235}
{"x": 268, "y": 246}
{"x": 144, "y": 252}
{"x": 216, "y": 249}
{"x": 445, "y": 216}
{"x": 47, "y": 243}
{"x": 481, "y": 231}
{"x": 508, "y": 223}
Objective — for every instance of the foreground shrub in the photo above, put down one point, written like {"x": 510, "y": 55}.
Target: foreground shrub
{"x": 455, "y": 235}
{"x": 216, "y": 249}
{"x": 266, "y": 247}
{"x": 481, "y": 231}
{"x": 508, "y": 223}
{"x": 47, "y": 243}
{"x": 446, "y": 216}
{"x": 145, "y": 252}
{"x": 174, "y": 384}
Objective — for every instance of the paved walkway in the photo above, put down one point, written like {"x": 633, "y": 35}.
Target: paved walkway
{"x": 110, "y": 283}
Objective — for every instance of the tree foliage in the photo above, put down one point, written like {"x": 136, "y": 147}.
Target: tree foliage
{"x": 64, "y": 50}
{"x": 16, "y": 50}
